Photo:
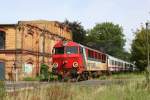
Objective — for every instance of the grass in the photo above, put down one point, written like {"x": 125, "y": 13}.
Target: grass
{"x": 2, "y": 90}
{"x": 123, "y": 76}
{"x": 131, "y": 90}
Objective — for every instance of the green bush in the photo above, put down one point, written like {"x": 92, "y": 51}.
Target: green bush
{"x": 104, "y": 77}
{"x": 53, "y": 77}
{"x": 44, "y": 73}
{"x": 2, "y": 90}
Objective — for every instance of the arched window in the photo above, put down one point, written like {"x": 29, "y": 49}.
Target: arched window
{"x": 2, "y": 40}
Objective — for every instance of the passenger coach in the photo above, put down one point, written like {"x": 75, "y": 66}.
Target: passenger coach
{"x": 118, "y": 65}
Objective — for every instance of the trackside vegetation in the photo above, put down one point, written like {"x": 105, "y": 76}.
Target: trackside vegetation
{"x": 129, "y": 90}
{"x": 123, "y": 75}
{"x": 2, "y": 90}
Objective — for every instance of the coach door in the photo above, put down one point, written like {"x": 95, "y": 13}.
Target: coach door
{"x": 2, "y": 71}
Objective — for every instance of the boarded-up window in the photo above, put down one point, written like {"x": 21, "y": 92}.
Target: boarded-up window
{"x": 29, "y": 42}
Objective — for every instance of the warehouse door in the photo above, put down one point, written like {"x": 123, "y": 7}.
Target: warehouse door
{"x": 2, "y": 71}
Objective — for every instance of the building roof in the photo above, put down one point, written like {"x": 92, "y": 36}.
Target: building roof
{"x": 7, "y": 25}
{"x": 33, "y": 22}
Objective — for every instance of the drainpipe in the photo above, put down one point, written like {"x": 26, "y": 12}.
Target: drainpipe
{"x": 15, "y": 63}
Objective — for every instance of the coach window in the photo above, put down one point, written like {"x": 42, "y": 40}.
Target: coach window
{"x": 100, "y": 57}
{"x": 95, "y": 53}
{"x": 97, "y": 56}
{"x": 126, "y": 65}
{"x": 2, "y": 40}
{"x": 115, "y": 63}
{"x": 72, "y": 50}
{"x": 119, "y": 64}
{"x": 88, "y": 51}
{"x": 92, "y": 54}
{"x": 103, "y": 58}
{"x": 112, "y": 62}
{"x": 89, "y": 54}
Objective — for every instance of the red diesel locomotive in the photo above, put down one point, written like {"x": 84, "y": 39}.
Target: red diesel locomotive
{"x": 76, "y": 61}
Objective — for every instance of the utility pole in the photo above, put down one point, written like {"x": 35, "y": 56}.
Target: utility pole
{"x": 43, "y": 34}
{"x": 148, "y": 64}
{"x": 147, "y": 24}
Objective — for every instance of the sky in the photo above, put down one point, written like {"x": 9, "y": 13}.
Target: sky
{"x": 130, "y": 14}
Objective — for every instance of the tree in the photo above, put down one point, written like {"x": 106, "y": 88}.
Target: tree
{"x": 139, "y": 49}
{"x": 108, "y": 38}
{"x": 77, "y": 29}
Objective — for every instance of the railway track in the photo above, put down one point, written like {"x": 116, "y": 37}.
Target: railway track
{"x": 16, "y": 86}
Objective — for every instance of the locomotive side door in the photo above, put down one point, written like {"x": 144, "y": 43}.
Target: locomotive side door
{"x": 83, "y": 50}
{"x": 83, "y": 55}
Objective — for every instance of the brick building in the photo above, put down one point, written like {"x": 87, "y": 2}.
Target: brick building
{"x": 26, "y": 45}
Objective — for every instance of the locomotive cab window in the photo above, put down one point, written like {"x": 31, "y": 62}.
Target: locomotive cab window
{"x": 72, "y": 50}
{"x": 59, "y": 50}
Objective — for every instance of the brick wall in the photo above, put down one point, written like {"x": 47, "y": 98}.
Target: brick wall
{"x": 24, "y": 46}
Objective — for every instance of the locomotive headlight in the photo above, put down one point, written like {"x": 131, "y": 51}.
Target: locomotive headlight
{"x": 55, "y": 65}
{"x": 75, "y": 64}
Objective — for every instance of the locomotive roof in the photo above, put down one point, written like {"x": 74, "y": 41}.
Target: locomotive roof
{"x": 64, "y": 43}
{"x": 117, "y": 59}
{"x": 71, "y": 43}
{"x": 91, "y": 49}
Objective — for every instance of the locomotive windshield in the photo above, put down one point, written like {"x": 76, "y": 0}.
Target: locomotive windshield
{"x": 59, "y": 50}
{"x": 67, "y": 50}
{"x": 72, "y": 50}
